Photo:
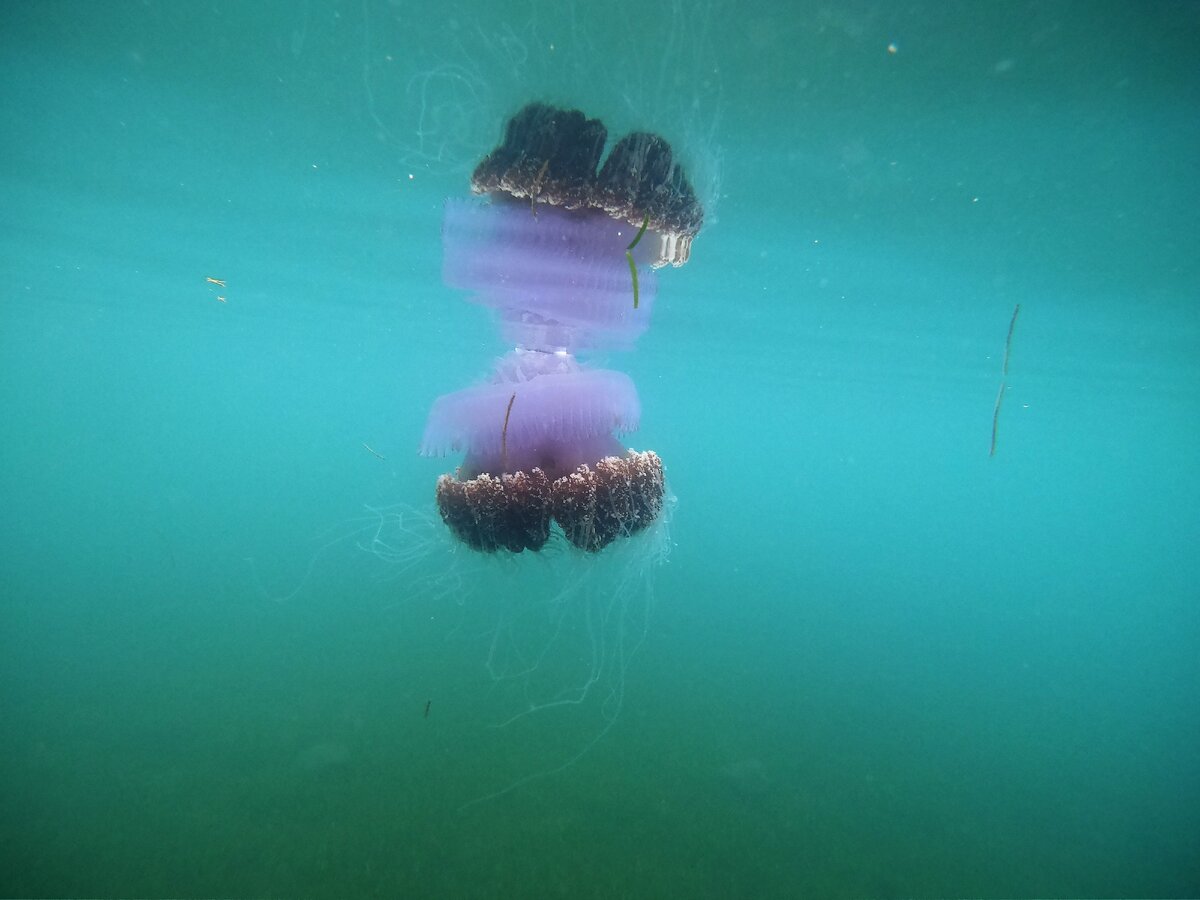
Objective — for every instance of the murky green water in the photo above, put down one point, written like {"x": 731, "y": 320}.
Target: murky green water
{"x": 241, "y": 657}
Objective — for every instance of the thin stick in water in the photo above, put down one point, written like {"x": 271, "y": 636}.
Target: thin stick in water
{"x": 633, "y": 275}
{"x": 1004, "y": 379}
{"x": 629, "y": 257}
{"x": 1008, "y": 343}
{"x": 996, "y": 418}
{"x": 504, "y": 435}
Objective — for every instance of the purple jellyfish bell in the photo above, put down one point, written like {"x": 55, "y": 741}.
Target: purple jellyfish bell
{"x": 560, "y": 280}
{"x": 540, "y": 441}
{"x": 541, "y": 410}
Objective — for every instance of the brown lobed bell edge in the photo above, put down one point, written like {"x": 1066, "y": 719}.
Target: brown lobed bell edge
{"x": 593, "y": 505}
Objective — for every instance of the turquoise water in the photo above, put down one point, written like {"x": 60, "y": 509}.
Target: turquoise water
{"x": 863, "y": 658}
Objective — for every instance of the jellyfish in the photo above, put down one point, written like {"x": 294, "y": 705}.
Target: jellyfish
{"x": 547, "y": 246}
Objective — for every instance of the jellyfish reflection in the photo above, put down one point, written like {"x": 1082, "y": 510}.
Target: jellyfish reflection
{"x": 550, "y": 249}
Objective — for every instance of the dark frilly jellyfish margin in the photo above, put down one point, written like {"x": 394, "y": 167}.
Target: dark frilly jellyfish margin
{"x": 549, "y": 249}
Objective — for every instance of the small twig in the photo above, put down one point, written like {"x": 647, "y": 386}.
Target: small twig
{"x": 1008, "y": 343}
{"x": 504, "y": 435}
{"x": 629, "y": 256}
{"x": 633, "y": 275}
{"x": 1004, "y": 378}
{"x": 996, "y": 418}
{"x": 373, "y": 451}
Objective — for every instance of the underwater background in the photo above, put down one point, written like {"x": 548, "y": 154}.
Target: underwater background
{"x": 863, "y": 657}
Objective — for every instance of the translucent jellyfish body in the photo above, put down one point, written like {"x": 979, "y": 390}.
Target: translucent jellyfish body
{"x": 563, "y": 248}
{"x": 559, "y": 280}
